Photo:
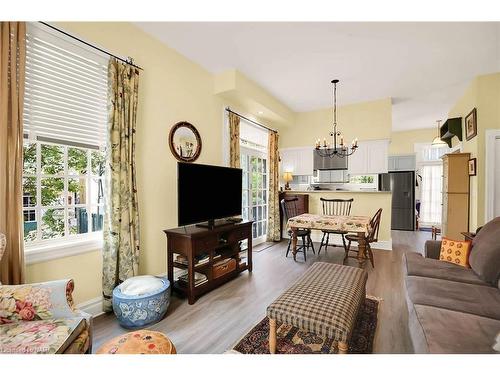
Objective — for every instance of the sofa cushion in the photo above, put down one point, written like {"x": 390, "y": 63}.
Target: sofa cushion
{"x": 446, "y": 331}
{"x": 40, "y": 336}
{"x": 456, "y": 252}
{"x": 485, "y": 255}
{"x": 416, "y": 265}
{"x": 467, "y": 298}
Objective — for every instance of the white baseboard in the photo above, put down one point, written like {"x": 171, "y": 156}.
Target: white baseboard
{"x": 335, "y": 239}
{"x": 92, "y": 307}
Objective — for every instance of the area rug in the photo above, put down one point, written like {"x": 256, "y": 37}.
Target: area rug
{"x": 291, "y": 340}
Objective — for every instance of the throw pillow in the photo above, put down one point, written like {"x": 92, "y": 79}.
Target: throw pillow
{"x": 456, "y": 252}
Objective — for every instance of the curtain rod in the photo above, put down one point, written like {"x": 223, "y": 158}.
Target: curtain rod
{"x": 91, "y": 45}
{"x": 252, "y": 121}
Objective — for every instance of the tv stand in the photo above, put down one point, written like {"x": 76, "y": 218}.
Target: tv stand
{"x": 219, "y": 243}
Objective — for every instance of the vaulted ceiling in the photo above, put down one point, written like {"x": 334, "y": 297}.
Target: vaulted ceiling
{"x": 424, "y": 67}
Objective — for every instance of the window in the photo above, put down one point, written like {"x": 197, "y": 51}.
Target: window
{"x": 65, "y": 135}
{"x": 368, "y": 179}
{"x": 364, "y": 182}
{"x": 430, "y": 179}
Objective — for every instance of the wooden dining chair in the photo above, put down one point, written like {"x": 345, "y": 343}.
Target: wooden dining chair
{"x": 372, "y": 237}
{"x": 289, "y": 208}
{"x": 334, "y": 207}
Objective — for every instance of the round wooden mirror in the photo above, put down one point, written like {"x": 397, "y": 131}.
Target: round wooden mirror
{"x": 185, "y": 142}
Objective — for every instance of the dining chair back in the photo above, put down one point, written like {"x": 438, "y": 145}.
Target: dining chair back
{"x": 336, "y": 207}
{"x": 375, "y": 226}
{"x": 289, "y": 207}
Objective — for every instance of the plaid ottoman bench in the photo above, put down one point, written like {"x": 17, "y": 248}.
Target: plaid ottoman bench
{"x": 325, "y": 301}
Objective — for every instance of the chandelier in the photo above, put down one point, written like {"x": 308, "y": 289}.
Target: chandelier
{"x": 339, "y": 149}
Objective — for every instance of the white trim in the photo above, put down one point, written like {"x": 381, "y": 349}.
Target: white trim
{"x": 489, "y": 176}
{"x": 457, "y": 148}
{"x": 92, "y": 307}
{"x": 61, "y": 250}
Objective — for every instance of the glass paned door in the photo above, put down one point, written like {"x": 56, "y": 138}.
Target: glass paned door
{"x": 254, "y": 194}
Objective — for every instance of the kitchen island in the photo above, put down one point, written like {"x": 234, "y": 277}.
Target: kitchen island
{"x": 366, "y": 203}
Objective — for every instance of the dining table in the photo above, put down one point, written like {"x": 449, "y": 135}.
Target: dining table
{"x": 359, "y": 225}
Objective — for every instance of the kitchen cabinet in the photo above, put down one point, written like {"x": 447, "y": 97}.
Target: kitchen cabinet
{"x": 298, "y": 160}
{"x": 402, "y": 163}
{"x": 371, "y": 157}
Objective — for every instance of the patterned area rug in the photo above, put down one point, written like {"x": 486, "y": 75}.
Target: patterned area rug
{"x": 291, "y": 340}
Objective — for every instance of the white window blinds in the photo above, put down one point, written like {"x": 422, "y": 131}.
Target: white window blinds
{"x": 65, "y": 91}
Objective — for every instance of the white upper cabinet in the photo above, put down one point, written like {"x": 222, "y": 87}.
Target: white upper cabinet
{"x": 298, "y": 160}
{"x": 371, "y": 157}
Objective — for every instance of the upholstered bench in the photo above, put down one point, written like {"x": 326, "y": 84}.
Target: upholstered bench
{"x": 324, "y": 301}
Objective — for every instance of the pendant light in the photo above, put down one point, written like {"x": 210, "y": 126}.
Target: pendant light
{"x": 437, "y": 141}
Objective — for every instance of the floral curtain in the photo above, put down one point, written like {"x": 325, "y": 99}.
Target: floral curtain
{"x": 121, "y": 218}
{"x": 234, "y": 140}
{"x": 12, "y": 70}
{"x": 273, "y": 220}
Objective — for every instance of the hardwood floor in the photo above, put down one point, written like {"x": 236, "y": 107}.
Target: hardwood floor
{"x": 220, "y": 318}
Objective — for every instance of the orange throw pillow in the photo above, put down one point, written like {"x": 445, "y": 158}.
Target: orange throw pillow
{"x": 456, "y": 252}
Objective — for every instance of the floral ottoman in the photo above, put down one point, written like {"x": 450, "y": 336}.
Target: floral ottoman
{"x": 139, "y": 342}
{"x": 141, "y": 300}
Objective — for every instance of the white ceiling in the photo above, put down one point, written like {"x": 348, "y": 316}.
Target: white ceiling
{"x": 424, "y": 67}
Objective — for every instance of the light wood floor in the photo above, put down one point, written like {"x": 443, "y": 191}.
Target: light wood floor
{"x": 220, "y": 318}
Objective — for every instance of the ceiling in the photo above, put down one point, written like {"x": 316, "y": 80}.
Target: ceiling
{"x": 424, "y": 67}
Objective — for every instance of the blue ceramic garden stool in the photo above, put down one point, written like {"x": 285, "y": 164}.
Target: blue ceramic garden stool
{"x": 141, "y": 301}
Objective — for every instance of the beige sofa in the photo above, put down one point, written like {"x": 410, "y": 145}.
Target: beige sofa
{"x": 452, "y": 309}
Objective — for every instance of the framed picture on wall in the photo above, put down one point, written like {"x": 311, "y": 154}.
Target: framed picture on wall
{"x": 472, "y": 167}
{"x": 471, "y": 125}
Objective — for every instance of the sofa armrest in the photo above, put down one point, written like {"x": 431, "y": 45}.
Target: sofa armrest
{"x": 432, "y": 249}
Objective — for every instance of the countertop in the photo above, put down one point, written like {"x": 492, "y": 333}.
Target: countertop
{"x": 337, "y": 191}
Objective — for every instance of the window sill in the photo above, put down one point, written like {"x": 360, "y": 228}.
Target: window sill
{"x": 43, "y": 253}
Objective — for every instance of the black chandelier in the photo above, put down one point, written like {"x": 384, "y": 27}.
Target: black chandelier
{"x": 333, "y": 149}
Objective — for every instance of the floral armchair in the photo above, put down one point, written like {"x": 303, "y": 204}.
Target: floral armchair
{"x": 41, "y": 318}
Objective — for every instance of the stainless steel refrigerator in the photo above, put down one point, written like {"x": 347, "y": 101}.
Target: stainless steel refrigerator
{"x": 402, "y": 186}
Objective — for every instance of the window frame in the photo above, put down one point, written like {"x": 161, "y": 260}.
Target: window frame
{"x": 68, "y": 239}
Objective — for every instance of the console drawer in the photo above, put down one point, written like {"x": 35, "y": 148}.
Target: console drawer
{"x": 224, "y": 266}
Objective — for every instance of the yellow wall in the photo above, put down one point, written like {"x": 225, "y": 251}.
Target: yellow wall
{"x": 484, "y": 94}
{"x": 403, "y": 142}
{"x": 366, "y": 121}
{"x": 85, "y": 269}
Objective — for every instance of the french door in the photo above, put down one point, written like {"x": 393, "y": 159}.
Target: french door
{"x": 255, "y": 187}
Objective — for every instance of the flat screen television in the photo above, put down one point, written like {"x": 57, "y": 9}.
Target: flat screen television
{"x": 207, "y": 192}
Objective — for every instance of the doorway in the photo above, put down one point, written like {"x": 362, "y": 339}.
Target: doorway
{"x": 254, "y": 193}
